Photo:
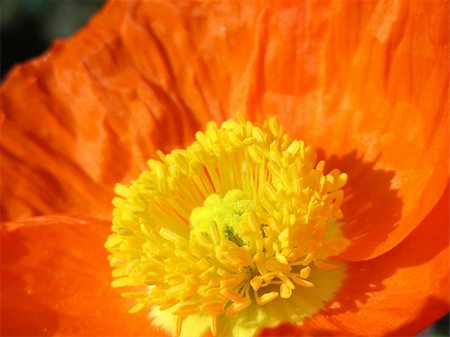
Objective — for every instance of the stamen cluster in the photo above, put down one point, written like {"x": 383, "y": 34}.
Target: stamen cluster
{"x": 283, "y": 223}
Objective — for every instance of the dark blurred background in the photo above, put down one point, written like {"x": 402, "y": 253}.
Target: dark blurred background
{"x": 28, "y": 27}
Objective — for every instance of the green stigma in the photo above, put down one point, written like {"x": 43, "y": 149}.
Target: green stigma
{"x": 226, "y": 212}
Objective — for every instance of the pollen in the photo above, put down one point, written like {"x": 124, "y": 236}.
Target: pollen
{"x": 234, "y": 233}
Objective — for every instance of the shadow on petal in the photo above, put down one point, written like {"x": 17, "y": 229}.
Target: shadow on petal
{"x": 400, "y": 292}
{"x": 397, "y": 294}
{"x": 371, "y": 206}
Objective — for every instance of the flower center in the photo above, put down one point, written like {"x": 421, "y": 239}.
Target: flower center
{"x": 235, "y": 232}
{"x": 220, "y": 218}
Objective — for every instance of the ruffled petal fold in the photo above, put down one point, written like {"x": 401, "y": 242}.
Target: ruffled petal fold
{"x": 388, "y": 103}
{"x": 369, "y": 78}
{"x": 56, "y": 279}
{"x": 88, "y": 114}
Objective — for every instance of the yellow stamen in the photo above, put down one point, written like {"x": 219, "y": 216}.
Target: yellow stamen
{"x": 266, "y": 298}
{"x": 285, "y": 291}
{"x": 179, "y": 322}
{"x": 243, "y": 219}
{"x": 305, "y": 272}
{"x": 214, "y": 325}
{"x": 237, "y": 307}
{"x": 324, "y": 265}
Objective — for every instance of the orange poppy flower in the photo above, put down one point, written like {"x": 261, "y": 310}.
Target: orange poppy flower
{"x": 365, "y": 84}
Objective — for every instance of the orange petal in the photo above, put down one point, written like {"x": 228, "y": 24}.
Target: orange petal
{"x": 88, "y": 114}
{"x": 317, "y": 330}
{"x": 377, "y": 90}
{"x": 56, "y": 281}
{"x": 367, "y": 79}
{"x": 397, "y": 110}
{"x": 399, "y": 293}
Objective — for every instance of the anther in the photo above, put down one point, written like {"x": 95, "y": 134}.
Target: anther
{"x": 179, "y": 323}
{"x": 214, "y": 325}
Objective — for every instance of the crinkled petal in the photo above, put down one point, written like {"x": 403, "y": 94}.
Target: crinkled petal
{"x": 365, "y": 80}
{"x": 88, "y": 114}
{"x": 369, "y": 78}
